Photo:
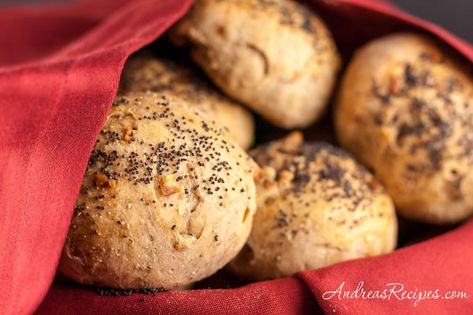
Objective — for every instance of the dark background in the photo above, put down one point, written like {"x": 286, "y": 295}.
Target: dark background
{"x": 454, "y": 15}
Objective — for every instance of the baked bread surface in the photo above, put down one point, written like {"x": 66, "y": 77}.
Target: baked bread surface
{"x": 316, "y": 206}
{"x": 167, "y": 199}
{"x": 405, "y": 109}
{"x": 163, "y": 74}
{"x": 276, "y": 56}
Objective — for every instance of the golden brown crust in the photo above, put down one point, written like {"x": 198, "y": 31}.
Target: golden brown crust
{"x": 316, "y": 206}
{"x": 275, "y": 56}
{"x": 405, "y": 109}
{"x": 161, "y": 74}
{"x": 163, "y": 205}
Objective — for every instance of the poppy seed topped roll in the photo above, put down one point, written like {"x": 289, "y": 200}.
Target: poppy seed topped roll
{"x": 275, "y": 56}
{"x": 167, "y": 199}
{"x": 405, "y": 109}
{"x": 316, "y": 206}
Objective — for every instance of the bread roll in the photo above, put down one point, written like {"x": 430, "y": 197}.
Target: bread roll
{"x": 316, "y": 206}
{"x": 275, "y": 56}
{"x": 405, "y": 109}
{"x": 165, "y": 75}
{"x": 167, "y": 199}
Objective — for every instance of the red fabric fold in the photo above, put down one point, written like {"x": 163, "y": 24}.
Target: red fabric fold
{"x": 443, "y": 263}
{"x": 59, "y": 71}
{"x": 51, "y": 112}
{"x": 286, "y": 296}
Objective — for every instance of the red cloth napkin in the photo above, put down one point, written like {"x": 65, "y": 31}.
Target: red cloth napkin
{"x": 59, "y": 71}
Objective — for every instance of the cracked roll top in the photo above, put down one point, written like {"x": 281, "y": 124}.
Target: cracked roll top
{"x": 275, "y": 56}
{"x": 167, "y": 199}
{"x": 316, "y": 206}
{"x": 405, "y": 109}
{"x": 145, "y": 72}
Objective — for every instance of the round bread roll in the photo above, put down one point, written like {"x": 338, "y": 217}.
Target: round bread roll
{"x": 315, "y": 207}
{"x": 405, "y": 109}
{"x": 167, "y": 199}
{"x": 275, "y": 56}
{"x": 164, "y": 75}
